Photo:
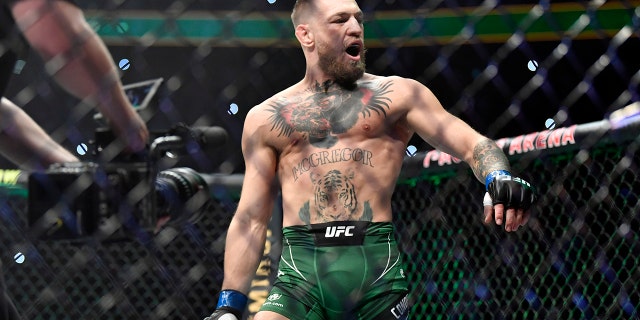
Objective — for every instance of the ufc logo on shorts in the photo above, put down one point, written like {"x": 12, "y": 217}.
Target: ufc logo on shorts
{"x": 335, "y": 232}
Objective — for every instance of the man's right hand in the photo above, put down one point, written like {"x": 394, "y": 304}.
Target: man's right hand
{"x": 222, "y": 314}
{"x": 231, "y": 305}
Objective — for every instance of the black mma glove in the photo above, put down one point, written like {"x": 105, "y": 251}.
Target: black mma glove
{"x": 509, "y": 191}
{"x": 231, "y": 305}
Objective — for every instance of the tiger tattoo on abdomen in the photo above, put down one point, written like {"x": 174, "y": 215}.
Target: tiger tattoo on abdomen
{"x": 335, "y": 199}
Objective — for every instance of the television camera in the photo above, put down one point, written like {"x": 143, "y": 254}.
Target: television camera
{"x": 121, "y": 194}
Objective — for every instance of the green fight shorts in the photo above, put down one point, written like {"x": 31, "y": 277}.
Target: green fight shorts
{"x": 340, "y": 270}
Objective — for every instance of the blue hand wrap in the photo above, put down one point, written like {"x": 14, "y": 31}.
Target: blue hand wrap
{"x": 233, "y": 299}
{"x": 493, "y": 175}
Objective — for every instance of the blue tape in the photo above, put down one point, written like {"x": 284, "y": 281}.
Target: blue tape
{"x": 493, "y": 175}
{"x": 233, "y": 299}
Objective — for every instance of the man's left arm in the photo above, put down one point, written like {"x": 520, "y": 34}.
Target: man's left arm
{"x": 510, "y": 197}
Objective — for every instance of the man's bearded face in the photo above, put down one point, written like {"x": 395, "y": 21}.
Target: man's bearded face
{"x": 336, "y": 66}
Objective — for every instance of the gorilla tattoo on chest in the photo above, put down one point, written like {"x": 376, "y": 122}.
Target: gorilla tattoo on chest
{"x": 329, "y": 110}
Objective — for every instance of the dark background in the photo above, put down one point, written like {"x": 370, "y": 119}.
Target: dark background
{"x": 577, "y": 258}
{"x": 209, "y": 82}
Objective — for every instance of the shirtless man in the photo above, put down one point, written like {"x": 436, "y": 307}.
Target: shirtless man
{"x": 334, "y": 143}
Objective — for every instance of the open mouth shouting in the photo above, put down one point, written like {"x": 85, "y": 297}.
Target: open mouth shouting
{"x": 354, "y": 49}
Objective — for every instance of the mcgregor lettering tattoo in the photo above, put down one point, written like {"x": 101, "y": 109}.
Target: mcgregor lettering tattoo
{"x": 332, "y": 156}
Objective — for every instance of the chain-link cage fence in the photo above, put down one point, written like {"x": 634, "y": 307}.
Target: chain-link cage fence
{"x": 577, "y": 259}
{"x": 508, "y": 68}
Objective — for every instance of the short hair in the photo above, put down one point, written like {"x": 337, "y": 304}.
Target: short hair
{"x": 299, "y": 9}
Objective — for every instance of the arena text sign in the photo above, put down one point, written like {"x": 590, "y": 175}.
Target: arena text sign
{"x": 547, "y": 139}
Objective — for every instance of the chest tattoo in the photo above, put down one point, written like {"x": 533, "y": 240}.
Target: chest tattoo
{"x": 328, "y": 111}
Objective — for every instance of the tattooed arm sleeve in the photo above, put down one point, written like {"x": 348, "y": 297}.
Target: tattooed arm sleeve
{"x": 488, "y": 157}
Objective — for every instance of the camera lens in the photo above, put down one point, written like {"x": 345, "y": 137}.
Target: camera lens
{"x": 180, "y": 193}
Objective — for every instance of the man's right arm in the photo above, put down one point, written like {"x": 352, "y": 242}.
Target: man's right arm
{"x": 247, "y": 232}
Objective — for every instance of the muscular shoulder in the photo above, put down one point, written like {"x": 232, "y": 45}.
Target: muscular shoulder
{"x": 256, "y": 120}
{"x": 261, "y": 115}
{"x": 262, "y": 120}
{"x": 401, "y": 93}
{"x": 395, "y": 79}
{"x": 399, "y": 87}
